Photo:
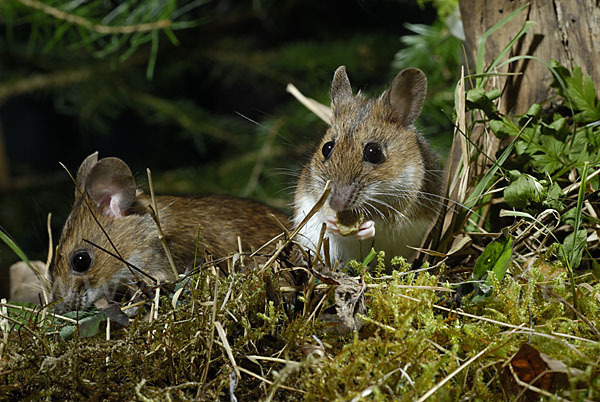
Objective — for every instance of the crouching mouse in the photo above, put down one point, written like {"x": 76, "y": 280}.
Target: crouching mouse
{"x": 109, "y": 209}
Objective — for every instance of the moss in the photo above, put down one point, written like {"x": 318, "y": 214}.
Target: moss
{"x": 406, "y": 346}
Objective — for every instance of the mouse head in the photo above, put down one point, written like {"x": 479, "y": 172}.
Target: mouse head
{"x": 371, "y": 153}
{"x": 105, "y": 208}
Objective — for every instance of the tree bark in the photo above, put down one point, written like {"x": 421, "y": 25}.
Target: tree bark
{"x": 565, "y": 30}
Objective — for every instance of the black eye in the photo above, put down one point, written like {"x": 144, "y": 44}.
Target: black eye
{"x": 327, "y": 149}
{"x": 81, "y": 261}
{"x": 373, "y": 153}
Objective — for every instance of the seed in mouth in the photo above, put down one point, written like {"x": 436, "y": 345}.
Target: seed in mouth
{"x": 348, "y": 222}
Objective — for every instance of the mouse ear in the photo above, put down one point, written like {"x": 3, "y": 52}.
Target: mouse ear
{"x": 340, "y": 86}
{"x": 407, "y": 94}
{"x": 83, "y": 171}
{"x": 111, "y": 186}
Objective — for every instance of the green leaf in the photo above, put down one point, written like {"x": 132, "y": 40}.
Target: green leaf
{"x": 115, "y": 313}
{"x": 524, "y": 190}
{"x": 495, "y": 257}
{"x": 88, "y": 324}
{"x": 580, "y": 92}
{"x": 554, "y": 198}
{"x": 478, "y": 99}
{"x": 571, "y": 250}
{"x": 534, "y": 110}
{"x": 369, "y": 258}
{"x": 553, "y": 157}
{"x": 560, "y": 126}
{"x": 504, "y": 128}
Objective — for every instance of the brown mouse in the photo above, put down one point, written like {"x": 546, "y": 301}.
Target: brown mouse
{"x": 386, "y": 184}
{"x": 83, "y": 273}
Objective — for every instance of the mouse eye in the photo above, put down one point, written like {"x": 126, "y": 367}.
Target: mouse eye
{"x": 81, "y": 261}
{"x": 327, "y": 149}
{"x": 373, "y": 153}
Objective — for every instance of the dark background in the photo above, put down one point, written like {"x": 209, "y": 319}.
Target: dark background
{"x": 200, "y": 123}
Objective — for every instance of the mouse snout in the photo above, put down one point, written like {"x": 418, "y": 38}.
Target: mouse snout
{"x": 341, "y": 197}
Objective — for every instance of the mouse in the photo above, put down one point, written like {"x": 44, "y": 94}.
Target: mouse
{"x": 110, "y": 210}
{"x": 386, "y": 183}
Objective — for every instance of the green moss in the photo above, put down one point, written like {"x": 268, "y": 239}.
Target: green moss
{"x": 406, "y": 346}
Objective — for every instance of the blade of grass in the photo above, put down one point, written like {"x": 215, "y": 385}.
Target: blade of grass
{"x": 17, "y": 250}
{"x": 578, "y": 212}
{"x": 483, "y": 183}
{"x": 522, "y": 31}
{"x": 483, "y": 39}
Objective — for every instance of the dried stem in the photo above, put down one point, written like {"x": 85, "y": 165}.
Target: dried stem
{"x": 161, "y": 235}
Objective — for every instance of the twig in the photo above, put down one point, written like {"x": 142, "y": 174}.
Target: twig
{"x": 533, "y": 387}
{"x": 46, "y": 288}
{"x": 322, "y": 111}
{"x": 100, "y": 28}
{"x": 39, "y": 81}
{"x": 505, "y": 324}
{"x": 269, "y": 382}
{"x": 274, "y": 239}
{"x": 577, "y": 184}
{"x": 20, "y": 324}
{"x": 577, "y": 313}
{"x": 4, "y": 328}
{"x": 161, "y": 236}
{"x": 225, "y": 342}
{"x": 138, "y": 391}
{"x": 31, "y": 310}
{"x": 449, "y": 376}
{"x": 212, "y": 330}
{"x": 319, "y": 204}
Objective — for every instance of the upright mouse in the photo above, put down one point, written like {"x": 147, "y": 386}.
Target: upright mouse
{"x": 386, "y": 186}
{"x": 109, "y": 209}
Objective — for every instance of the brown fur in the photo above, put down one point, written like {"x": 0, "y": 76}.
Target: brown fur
{"x": 221, "y": 220}
{"x": 404, "y": 188}
{"x": 358, "y": 120}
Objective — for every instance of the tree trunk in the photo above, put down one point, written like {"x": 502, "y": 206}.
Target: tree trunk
{"x": 565, "y": 30}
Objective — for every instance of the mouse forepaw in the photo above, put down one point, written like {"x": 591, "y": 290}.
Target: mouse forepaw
{"x": 366, "y": 230}
{"x": 331, "y": 223}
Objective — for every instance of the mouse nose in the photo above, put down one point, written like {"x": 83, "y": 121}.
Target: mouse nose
{"x": 341, "y": 197}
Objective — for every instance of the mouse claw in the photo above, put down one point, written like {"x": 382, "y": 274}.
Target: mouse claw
{"x": 366, "y": 230}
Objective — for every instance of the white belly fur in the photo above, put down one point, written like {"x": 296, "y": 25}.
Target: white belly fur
{"x": 393, "y": 238}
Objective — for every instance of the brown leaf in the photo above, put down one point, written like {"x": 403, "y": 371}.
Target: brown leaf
{"x": 349, "y": 301}
{"x": 530, "y": 367}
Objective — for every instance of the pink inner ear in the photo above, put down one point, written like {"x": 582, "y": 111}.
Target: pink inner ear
{"x": 114, "y": 208}
{"x": 109, "y": 202}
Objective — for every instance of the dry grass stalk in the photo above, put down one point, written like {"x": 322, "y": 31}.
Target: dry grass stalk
{"x": 319, "y": 204}
{"x": 3, "y": 327}
{"x": 504, "y": 324}
{"x": 155, "y": 214}
{"x": 34, "y": 310}
{"x": 212, "y": 329}
{"x": 439, "y": 385}
{"x": 322, "y": 111}
{"x": 227, "y": 347}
